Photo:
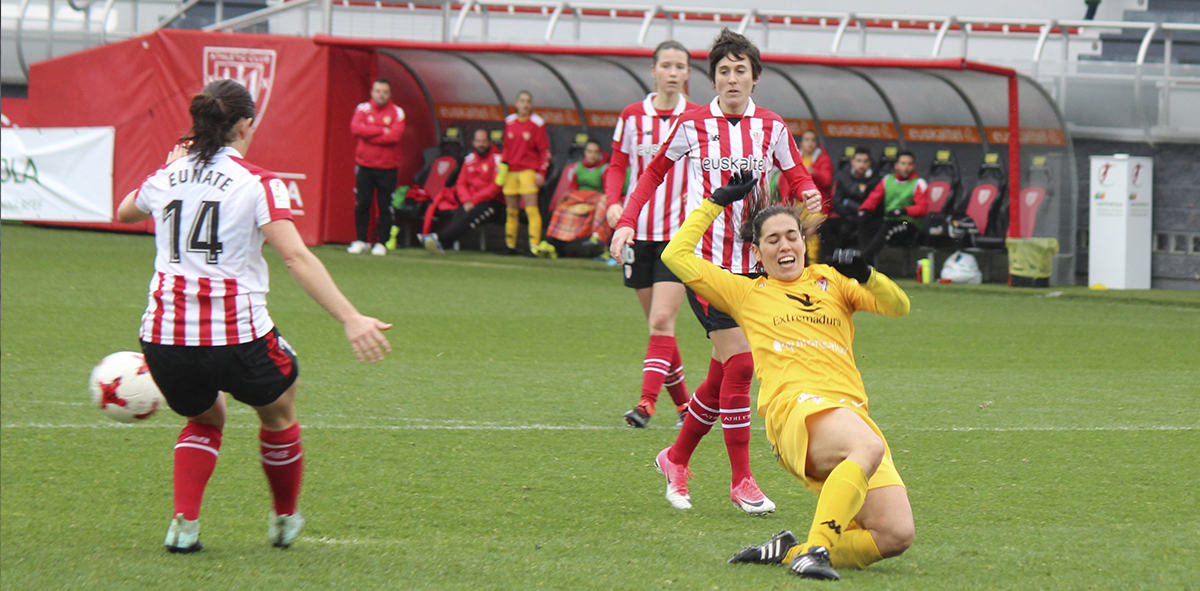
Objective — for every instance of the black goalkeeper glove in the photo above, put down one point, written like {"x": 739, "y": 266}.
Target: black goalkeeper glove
{"x": 849, "y": 262}
{"x": 740, "y": 185}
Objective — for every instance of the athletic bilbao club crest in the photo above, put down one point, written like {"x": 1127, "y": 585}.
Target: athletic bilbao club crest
{"x": 253, "y": 68}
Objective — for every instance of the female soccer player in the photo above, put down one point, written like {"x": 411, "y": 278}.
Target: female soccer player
{"x": 526, "y": 157}
{"x": 798, "y": 321}
{"x": 730, "y": 134}
{"x": 643, "y": 126}
{"x": 206, "y": 329}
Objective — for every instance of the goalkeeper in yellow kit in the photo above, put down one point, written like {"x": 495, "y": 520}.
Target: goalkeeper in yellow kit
{"x": 798, "y": 322}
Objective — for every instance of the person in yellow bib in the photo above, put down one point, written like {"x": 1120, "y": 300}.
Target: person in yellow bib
{"x": 799, "y": 323}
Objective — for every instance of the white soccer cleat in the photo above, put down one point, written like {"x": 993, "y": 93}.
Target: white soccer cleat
{"x": 747, "y": 496}
{"x": 677, "y": 477}
{"x": 283, "y": 529}
{"x": 358, "y": 247}
{"x": 183, "y": 536}
{"x": 379, "y": 249}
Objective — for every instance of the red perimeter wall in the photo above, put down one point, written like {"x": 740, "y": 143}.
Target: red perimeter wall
{"x": 143, "y": 86}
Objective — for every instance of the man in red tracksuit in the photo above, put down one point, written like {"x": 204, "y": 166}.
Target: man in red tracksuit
{"x": 476, "y": 189}
{"x": 378, "y": 125}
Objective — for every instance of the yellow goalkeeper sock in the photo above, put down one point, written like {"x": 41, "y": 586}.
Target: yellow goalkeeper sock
{"x": 842, "y": 496}
{"x": 512, "y": 223}
{"x": 534, "y": 215}
{"x": 855, "y": 549}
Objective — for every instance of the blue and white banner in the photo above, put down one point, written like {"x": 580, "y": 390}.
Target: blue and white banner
{"x": 57, "y": 174}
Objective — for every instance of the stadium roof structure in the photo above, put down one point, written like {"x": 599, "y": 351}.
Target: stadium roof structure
{"x": 905, "y": 102}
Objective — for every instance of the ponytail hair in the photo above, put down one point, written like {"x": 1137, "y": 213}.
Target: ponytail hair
{"x": 215, "y": 111}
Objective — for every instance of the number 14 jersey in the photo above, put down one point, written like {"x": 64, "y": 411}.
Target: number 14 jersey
{"x": 211, "y": 281}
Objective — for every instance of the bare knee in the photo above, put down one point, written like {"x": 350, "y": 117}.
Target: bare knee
{"x": 895, "y": 539}
{"x": 868, "y": 453}
{"x": 661, "y": 323}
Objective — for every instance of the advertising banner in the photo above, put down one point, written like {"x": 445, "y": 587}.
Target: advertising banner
{"x": 57, "y": 174}
{"x": 143, "y": 88}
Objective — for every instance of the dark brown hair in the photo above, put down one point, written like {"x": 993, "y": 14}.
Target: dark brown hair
{"x": 733, "y": 45}
{"x": 750, "y": 231}
{"x": 670, "y": 44}
{"x": 215, "y": 111}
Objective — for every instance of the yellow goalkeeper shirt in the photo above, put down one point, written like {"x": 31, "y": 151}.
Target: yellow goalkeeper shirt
{"x": 801, "y": 332}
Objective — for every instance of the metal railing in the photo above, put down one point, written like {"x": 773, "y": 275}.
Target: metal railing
{"x": 1035, "y": 35}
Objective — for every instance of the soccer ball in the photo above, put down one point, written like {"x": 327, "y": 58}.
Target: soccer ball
{"x": 123, "y": 389}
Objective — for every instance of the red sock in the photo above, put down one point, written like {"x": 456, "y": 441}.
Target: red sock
{"x": 735, "y": 413}
{"x": 703, "y": 411}
{"x": 674, "y": 381}
{"x": 195, "y": 458}
{"x": 283, "y": 461}
{"x": 656, "y": 366}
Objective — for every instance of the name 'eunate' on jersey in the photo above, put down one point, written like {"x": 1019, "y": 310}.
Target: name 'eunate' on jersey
{"x": 210, "y": 282}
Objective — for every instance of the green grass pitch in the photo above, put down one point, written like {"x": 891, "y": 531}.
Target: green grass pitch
{"x": 1049, "y": 438}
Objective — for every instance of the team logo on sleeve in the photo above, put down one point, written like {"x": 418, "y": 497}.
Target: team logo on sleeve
{"x": 252, "y": 68}
{"x": 279, "y": 194}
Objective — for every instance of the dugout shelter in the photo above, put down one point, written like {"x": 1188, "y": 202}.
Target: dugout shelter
{"x": 307, "y": 89}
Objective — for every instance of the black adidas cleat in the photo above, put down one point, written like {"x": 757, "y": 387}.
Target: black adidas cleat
{"x": 639, "y": 417}
{"x": 771, "y": 552}
{"x": 814, "y": 564}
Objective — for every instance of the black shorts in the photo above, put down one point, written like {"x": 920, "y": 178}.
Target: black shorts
{"x": 710, "y": 317}
{"x": 647, "y": 267}
{"x": 256, "y": 373}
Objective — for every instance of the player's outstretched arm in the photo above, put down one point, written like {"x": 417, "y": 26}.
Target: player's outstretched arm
{"x": 364, "y": 332}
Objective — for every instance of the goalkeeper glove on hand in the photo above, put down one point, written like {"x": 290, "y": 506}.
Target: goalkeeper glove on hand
{"x": 740, "y": 185}
{"x": 897, "y": 213}
{"x": 849, "y": 262}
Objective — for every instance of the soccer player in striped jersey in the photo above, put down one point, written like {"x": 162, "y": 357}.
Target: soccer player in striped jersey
{"x": 729, "y": 134}
{"x": 642, "y": 128}
{"x": 799, "y": 322}
{"x": 206, "y": 330}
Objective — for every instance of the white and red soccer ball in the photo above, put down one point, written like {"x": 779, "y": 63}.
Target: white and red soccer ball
{"x": 122, "y": 388}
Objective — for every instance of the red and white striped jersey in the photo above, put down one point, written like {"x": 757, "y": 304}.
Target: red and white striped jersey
{"x": 640, "y": 131}
{"x": 715, "y": 146}
{"x": 211, "y": 281}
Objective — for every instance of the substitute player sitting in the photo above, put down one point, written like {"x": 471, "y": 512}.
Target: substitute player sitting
{"x": 799, "y": 323}
{"x": 206, "y": 330}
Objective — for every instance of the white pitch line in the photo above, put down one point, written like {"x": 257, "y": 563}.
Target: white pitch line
{"x": 471, "y": 426}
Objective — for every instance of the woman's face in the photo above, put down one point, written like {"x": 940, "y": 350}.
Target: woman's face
{"x": 808, "y": 142}
{"x": 780, "y": 248}
{"x": 524, "y": 105}
{"x": 670, "y": 71}
{"x": 734, "y": 80}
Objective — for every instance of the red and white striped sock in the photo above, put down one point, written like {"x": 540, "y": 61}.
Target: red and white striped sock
{"x": 702, "y": 413}
{"x": 676, "y": 387}
{"x": 283, "y": 462}
{"x": 195, "y": 459}
{"x": 656, "y": 366}
{"x": 735, "y": 413}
